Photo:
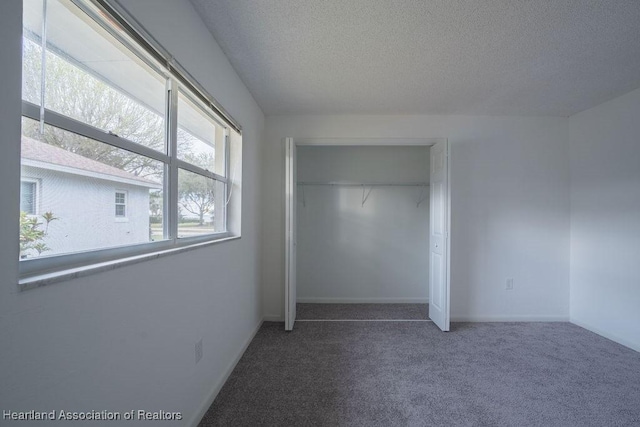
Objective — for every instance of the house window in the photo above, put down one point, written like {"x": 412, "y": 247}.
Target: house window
{"x": 115, "y": 109}
{"x": 121, "y": 204}
{"x": 28, "y": 196}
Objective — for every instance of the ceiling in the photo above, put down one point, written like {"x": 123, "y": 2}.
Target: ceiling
{"x": 493, "y": 57}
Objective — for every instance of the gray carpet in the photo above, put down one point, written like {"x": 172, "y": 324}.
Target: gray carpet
{"x": 411, "y": 374}
{"x": 362, "y": 311}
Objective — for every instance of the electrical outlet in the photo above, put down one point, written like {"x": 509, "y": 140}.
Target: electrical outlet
{"x": 509, "y": 284}
{"x": 199, "y": 350}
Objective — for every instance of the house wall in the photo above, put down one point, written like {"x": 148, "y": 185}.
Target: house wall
{"x": 85, "y": 203}
{"x": 350, "y": 252}
{"x": 124, "y": 339}
{"x": 510, "y": 207}
{"x": 605, "y": 219}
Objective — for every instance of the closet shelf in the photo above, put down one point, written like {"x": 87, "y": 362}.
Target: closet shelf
{"x": 364, "y": 186}
{"x": 367, "y": 184}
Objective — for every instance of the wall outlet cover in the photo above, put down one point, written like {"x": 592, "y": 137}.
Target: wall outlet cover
{"x": 509, "y": 284}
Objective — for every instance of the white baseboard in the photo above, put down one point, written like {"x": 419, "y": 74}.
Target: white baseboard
{"x": 525, "y": 318}
{"x": 632, "y": 345}
{"x": 273, "y": 319}
{"x": 195, "y": 420}
{"x": 321, "y": 300}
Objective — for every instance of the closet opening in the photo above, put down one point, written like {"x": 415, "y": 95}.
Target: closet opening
{"x": 363, "y": 241}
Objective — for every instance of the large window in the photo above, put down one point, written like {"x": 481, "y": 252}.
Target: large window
{"x": 112, "y": 129}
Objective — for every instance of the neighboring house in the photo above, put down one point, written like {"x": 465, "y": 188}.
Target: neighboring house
{"x": 96, "y": 205}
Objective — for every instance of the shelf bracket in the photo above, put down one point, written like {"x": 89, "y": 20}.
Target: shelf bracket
{"x": 365, "y": 197}
{"x": 420, "y": 198}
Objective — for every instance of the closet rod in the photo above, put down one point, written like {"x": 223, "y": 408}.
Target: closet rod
{"x": 368, "y": 184}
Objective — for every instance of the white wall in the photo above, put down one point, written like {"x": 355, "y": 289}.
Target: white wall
{"x": 605, "y": 219}
{"x": 124, "y": 339}
{"x": 348, "y": 252}
{"x": 82, "y": 203}
{"x": 510, "y": 207}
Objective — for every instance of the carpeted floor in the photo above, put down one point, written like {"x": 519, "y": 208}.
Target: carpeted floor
{"x": 362, "y": 311}
{"x": 412, "y": 374}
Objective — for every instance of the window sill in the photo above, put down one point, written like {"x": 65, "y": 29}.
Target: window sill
{"x": 41, "y": 280}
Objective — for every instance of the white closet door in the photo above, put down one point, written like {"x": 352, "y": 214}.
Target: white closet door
{"x": 290, "y": 234}
{"x": 439, "y": 236}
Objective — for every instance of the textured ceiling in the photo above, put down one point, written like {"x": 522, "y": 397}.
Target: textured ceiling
{"x": 514, "y": 57}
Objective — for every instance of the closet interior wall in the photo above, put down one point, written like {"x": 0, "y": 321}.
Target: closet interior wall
{"x": 363, "y": 243}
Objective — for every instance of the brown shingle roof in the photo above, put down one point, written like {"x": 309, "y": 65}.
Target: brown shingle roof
{"x": 47, "y": 153}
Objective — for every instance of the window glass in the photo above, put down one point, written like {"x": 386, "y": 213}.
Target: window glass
{"x": 28, "y": 197}
{"x": 121, "y": 204}
{"x": 32, "y": 51}
{"x": 78, "y": 178}
{"x": 91, "y": 76}
{"x": 200, "y": 138}
{"x": 198, "y": 197}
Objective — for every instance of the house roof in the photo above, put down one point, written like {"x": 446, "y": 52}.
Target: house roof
{"x": 46, "y": 154}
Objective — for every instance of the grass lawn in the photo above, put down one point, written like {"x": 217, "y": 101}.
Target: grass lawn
{"x": 185, "y": 229}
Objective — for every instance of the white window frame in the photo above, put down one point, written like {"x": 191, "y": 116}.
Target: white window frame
{"x": 124, "y": 204}
{"x": 36, "y": 198}
{"x": 177, "y": 79}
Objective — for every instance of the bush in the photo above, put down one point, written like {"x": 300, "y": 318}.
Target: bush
{"x": 32, "y": 235}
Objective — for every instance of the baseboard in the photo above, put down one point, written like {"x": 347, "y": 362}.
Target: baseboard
{"x": 273, "y": 319}
{"x": 197, "y": 417}
{"x": 480, "y": 319}
{"x": 363, "y": 300}
{"x": 622, "y": 341}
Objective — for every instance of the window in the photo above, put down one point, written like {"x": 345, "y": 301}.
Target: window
{"x": 121, "y": 204}
{"x": 110, "y": 128}
{"x": 28, "y": 196}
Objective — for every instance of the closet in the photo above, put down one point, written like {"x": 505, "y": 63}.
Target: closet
{"x": 362, "y": 227}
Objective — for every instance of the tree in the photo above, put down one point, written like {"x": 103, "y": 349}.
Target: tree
{"x": 196, "y": 192}
{"x": 81, "y": 95}
{"x": 78, "y": 94}
{"x": 155, "y": 205}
